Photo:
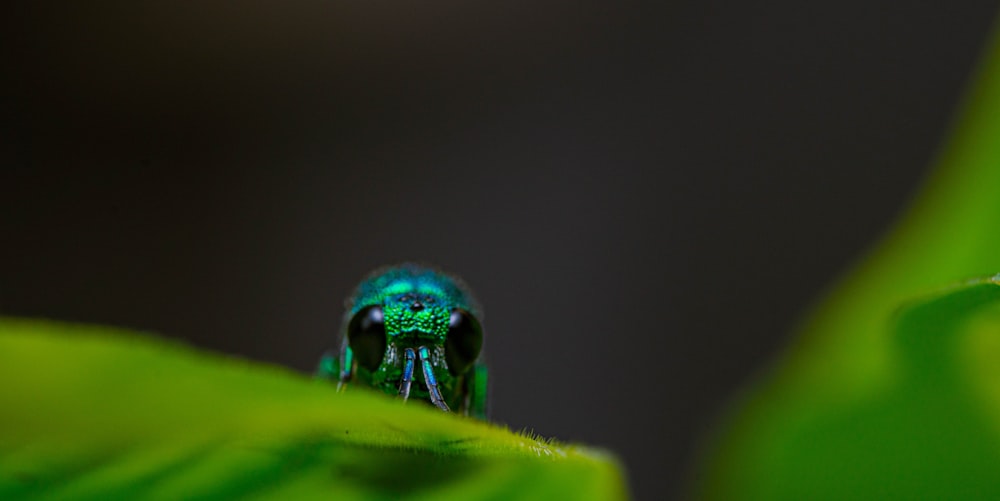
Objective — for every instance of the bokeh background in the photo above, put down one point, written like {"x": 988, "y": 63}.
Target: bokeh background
{"x": 645, "y": 197}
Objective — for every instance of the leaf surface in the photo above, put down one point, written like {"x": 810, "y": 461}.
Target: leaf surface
{"x": 98, "y": 413}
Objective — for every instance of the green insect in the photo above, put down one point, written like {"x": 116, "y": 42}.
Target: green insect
{"x": 413, "y": 331}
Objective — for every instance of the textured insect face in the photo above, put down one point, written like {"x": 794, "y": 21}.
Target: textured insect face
{"x": 412, "y": 331}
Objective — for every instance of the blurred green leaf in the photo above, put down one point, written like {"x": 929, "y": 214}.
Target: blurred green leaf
{"x": 850, "y": 379}
{"x": 932, "y": 433}
{"x": 96, "y": 413}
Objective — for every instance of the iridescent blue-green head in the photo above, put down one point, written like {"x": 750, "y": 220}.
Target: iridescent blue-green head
{"x": 413, "y": 331}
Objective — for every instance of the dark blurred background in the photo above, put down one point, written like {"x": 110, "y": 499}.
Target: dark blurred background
{"x": 645, "y": 197}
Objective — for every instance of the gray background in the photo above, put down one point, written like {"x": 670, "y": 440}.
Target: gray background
{"x": 645, "y": 197}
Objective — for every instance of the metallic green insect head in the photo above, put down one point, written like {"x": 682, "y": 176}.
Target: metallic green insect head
{"x": 414, "y": 332}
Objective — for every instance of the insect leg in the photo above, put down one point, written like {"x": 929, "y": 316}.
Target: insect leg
{"x": 329, "y": 366}
{"x": 478, "y": 392}
{"x": 346, "y": 365}
{"x": 404, "y": 385}
{"x": 432, "y": 385}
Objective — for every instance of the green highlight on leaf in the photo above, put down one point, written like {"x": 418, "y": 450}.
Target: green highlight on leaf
{"x": 875, "y": 402}
{"x": 97, "y": 413}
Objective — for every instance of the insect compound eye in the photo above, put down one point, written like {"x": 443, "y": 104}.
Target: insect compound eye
{"x": 465, "y": 339}
{"x": 366, "y": 336}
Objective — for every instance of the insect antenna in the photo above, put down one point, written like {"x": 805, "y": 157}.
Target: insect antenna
{"x": 432, "y": 386}
{"x": 404, "y": 384}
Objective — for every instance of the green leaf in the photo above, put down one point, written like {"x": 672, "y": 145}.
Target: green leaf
{"x": 933, "y": 432}
{"x": 853, "y": 377}
{"x": 96, "y": 413}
